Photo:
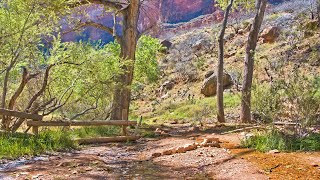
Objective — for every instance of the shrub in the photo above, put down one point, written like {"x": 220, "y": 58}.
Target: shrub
{"x": 266, "y": 102}
{"x": 294, "y": 99}
{"x": 266, "y": 141}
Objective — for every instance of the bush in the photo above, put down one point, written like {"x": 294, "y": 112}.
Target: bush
{"x": 274, "y": 139}
{"x": 266, "y": 102}
{"x": 293, "y": 99}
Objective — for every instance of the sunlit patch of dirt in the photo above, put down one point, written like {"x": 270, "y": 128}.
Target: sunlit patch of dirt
{"x": 285, "y": 165}
{"x": 296, "y": 165}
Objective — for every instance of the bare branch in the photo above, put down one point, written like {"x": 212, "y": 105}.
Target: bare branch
{"x": 85, "y": 111}
{"x": 96, "y": 25}
{"x": 117, "y": 5}
{"x": 26, "y": 77}
{"x": 59, "y": 106}
{"x": 44, "y": 85}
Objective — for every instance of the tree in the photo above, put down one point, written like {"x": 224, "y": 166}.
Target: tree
{"x": 224, "y": 4}
{"x": 23, "y": 25}
{"x": 129, "y": 11}
{"x": 220, "y": 85}
{"x": 245, "y": 115}
{"x": 318, "y": 12}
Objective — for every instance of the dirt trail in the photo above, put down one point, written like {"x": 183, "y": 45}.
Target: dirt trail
{"x": 134, "y": 161}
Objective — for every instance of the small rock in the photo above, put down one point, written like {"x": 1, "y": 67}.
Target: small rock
{"x": 157, "y": 154}
{"x": 166, "y": 86}
{"x": 168, "y": 152}
{"x": 181, "y": 150}
{"x": 241, "y": 31}
{"x": 208, "y": 74}
{"x": 275, "y": 151}
{"x": 89, "y": 169}
{"x": 190, "y": 147}
{"x": 167, "y": 44}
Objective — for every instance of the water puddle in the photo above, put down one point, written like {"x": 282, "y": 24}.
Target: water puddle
{"x": 20, "y": 162}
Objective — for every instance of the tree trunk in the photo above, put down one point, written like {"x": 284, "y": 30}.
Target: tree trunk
{"x": 220, "y": 113}
{"x": 245, "y": 115}
{"x": 318, "y": 12}
{"x": 4, "y": 124}
{"x": 122, "y": 94}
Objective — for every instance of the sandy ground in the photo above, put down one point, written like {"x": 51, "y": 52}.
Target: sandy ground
{"x": 134, "y": 161}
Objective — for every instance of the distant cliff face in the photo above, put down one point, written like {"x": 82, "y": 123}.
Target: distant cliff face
{"x": 170, "y": 12}
{"x": 176, "y": 11}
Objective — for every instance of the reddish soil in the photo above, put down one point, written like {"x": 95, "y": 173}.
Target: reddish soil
{"x": 133, "y": 161}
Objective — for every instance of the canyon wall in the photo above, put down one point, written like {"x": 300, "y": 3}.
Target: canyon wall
{"x": 156, "y": 16}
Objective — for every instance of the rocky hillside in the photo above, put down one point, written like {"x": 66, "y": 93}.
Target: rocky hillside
{"x": 288, "y": 37}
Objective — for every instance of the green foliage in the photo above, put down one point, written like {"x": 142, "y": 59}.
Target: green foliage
{"x": 83, "y": 74}
{"x": 266, "y": 141}
{"x": 15, "y": 145}
{"x": 303, "y": 93}
{"x": 273, "y": 16}
{"x": 266, "y": 101}
{"x": 90, "y": 73}
{"x": 295, "y": 99}
{"x": 146, "y": 65}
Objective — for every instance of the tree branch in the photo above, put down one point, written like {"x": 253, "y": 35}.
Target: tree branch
{"x": 85, "y": 111}
{"x": 96, "y": 25}
{"x": 59, "y": 106}
{"x": 26, "y": 77}
{"x": 107, "y": 3}
{"x": 44, "y": 85}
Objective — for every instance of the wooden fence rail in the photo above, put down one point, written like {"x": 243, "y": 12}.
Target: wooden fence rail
{"x": 83, "y": 123}
{"x": 19, "y": 114}
{"x": 36, "y": 122}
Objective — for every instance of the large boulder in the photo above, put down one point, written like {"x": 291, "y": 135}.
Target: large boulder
{"x": 270, "y": 34}
{"x": 209, "y": 87}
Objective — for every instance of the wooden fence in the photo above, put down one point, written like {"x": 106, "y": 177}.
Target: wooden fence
{"x": 36, "y": 121}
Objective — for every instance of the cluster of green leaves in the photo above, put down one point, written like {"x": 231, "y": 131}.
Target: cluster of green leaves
{"x": 266, "y": 141}
{"x": 146, "y": 65}
{"x": 26, "y": 26}
{"x": 89, "y": 72}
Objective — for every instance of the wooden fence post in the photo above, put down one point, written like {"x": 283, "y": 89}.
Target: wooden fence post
{"x": 124, "y": 115}
{"x": 35, "y": 130}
